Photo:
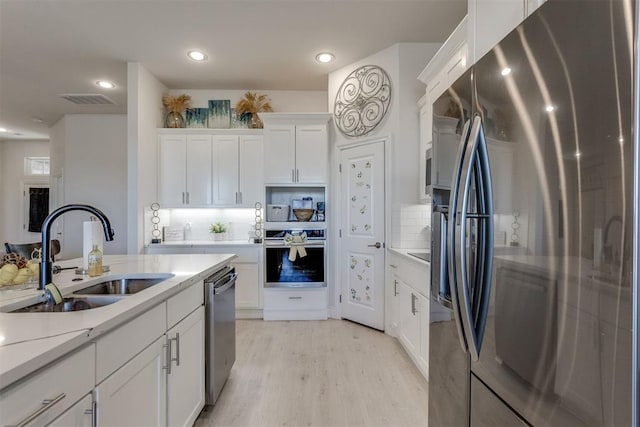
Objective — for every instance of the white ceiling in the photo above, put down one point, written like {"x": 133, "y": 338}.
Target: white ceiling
{"x": 51, "y": 47}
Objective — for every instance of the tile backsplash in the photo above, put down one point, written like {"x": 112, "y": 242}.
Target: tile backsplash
{"x": 196, "y": 222}
{"x": 411, "y": 226}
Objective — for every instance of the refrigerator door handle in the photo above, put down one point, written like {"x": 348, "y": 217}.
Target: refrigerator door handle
{"x": 451, "y": 228}
{"x": 473, "y": 306}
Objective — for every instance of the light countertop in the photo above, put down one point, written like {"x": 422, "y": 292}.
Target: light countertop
{"x": 29, "y": 341}
{"x": 182, "y": 243}
{"x": 405, "y": 253}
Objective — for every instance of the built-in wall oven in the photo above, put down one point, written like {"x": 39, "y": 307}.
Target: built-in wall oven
{"x": 295, "y": 258}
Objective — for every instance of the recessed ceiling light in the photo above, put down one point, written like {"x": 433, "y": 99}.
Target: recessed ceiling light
{"x": 325, "y": 57}
{"x": 196, "y": 55}
{"x": 550, "y": 108}
{"x": 505, "y": 71}
{"x": 4, "y": 130}
{"x": 105, "y": 84}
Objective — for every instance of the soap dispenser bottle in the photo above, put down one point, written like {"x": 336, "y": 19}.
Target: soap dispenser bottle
{"x": 95, "y": 262}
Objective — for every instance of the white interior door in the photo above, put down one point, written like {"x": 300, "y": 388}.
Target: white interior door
{"x": 362, "y": 202}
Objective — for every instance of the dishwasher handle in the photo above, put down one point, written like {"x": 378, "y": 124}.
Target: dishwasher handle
{"x": 218, "y": 289}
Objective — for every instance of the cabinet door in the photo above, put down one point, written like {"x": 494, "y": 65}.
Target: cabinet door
{"x": 199, "y": 170}
{"x": 172, "y": 170}
{"x": 578, "y": 381}
{"x": 423, "y": 331}
{"x": 457, "y": 65}
{"x": 136, "y": 393}
{"x": 79, "y": 415}
{"x": 185, "y": 382}
{"x": 425, "y": 143}
{"x": 248, "y": 286}
{"x": 409, "y": 318}
{"x": 502, "y": 159}
{"x": 311, "y": 154}
{"x": 251, "y": 170}
{"x": 445, "y": 150}
{"x": 279, "y": 154}
{"x": 494, "y": 19}
{"x": 225, "y": 170}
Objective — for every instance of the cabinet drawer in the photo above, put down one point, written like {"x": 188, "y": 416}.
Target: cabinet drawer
{"x": 121, "y": 345}
{"x": 72, "y": 378}
{"x": 300, "y": 299}
{"x": 179, "y": 306}
{"x": 245, "y": 254}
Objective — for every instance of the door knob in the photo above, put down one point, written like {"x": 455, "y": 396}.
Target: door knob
{"x": 377, "y": 245}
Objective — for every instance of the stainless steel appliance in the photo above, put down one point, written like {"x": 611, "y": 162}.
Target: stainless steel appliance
{"x": 220, "y": 331}
{"x": 541, "y": 329}
{"x": 303, "y": 271}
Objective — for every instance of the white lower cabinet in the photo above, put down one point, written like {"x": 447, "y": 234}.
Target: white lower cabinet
{"x": 185, "y": 378}
{"x": 48, "y": 393}
{"x": 136, "y": 393}
{"x": 295, "y": 304}
{"x": 79, "y": 415}
{"x": 410, "y": 308}
{"x": 248, "y": 286}
{"x": 163, "y": 384}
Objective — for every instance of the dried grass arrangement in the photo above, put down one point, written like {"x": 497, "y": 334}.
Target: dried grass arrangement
{"x": 176, "y": 103}
{"x": 252, "y": 104}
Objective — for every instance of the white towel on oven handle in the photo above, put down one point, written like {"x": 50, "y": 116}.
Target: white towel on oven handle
{"x": 297, "y": 245}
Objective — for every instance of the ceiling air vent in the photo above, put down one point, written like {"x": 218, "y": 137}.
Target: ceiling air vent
{"x": 88, "y": 99}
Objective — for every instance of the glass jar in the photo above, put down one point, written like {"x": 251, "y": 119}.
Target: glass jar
{"x": 95, "y": 262}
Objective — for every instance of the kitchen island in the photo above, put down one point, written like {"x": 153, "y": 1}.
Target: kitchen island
{"x": 108, "y": 341}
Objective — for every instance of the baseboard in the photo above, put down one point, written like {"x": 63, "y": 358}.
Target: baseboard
{"x": 295, "y": 314}
{"x": 248, "y": 314}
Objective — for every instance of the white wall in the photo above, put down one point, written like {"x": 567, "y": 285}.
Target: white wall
{"x": 95, "y": 173}
{"x": 145, "y": 115}
{"x": 281, "y": 100}
{"x": 12, "y": 181}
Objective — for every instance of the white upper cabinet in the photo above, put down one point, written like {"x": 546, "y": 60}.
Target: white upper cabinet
{"x": 296, "y": 148}
{"x": 202, "y": 168}
{"x": 490, "y": 21}
{"x": 251, "y": 170}
{"x": 226, "y": 173}
{"x": 184, "y": 170}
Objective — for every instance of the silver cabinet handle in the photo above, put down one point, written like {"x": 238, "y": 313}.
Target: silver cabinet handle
{"x": 295, "y": 297}
{"x": 177, "y": 358}
{"x": 236, "y": 197}
{"x": 47, "y": 404}
{"x": 413, "y": 304}
{"x": 167, "y": 348}
{"x": 377, "y": 245}
{"x": 93, "y": 412}
{"x": 240, "y": 197}
{"x": 187, "y": 197}
{"x": 297, "y": 175}
{"x": 395, "y": 288}
{"x": 393, "y": 266}
{"x": 293, "y": 175}
{"x": 183, "y": 199}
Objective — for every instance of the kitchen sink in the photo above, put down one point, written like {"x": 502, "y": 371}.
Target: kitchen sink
{"x": 69, "y": 304}
{"x": 124, "y": 286}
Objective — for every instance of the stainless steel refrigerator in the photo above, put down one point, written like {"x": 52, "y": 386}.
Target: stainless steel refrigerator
{"x": 533, "y": 283}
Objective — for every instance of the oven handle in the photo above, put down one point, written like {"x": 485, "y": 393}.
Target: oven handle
{"x": 281, "y": 244}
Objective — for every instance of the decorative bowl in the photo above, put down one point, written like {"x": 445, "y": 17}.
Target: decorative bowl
{"x": 303, "y": 214}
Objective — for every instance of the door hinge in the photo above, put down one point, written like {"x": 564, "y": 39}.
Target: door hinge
{"x": 340, "y": 298}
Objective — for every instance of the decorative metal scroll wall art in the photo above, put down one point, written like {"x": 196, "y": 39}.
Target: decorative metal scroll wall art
{"x": 362, "y": 100}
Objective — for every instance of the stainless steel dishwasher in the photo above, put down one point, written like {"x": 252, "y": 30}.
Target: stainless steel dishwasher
{"x": 220, "y": 330}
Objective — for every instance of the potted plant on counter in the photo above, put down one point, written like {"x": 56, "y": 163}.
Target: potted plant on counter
{"x": 219, "y": 230}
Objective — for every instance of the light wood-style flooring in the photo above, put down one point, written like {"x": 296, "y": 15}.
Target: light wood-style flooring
{"x": 318, "y": 373}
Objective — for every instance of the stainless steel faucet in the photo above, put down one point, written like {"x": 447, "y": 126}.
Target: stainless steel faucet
{"x": 46, "y": 264}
